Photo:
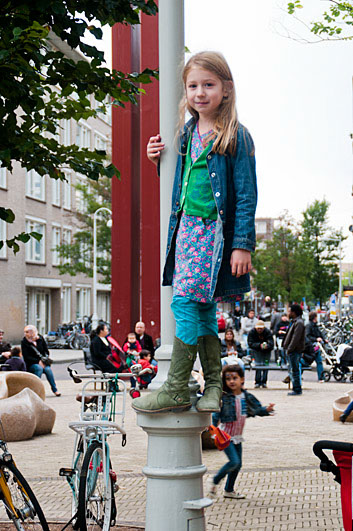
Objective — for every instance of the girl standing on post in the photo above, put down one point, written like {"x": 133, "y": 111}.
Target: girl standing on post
{"x": 211, "y": 228}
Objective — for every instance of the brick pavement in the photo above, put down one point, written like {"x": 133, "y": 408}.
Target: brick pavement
{"x": 283, "y": 486}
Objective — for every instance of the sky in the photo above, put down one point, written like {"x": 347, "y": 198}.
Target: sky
{"x": 295, "y": 99}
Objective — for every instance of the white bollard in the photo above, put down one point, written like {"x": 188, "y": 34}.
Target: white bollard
{"x": 174, "y": 471}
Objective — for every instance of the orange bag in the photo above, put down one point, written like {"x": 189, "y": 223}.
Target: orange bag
{"x": 221, "y": 438}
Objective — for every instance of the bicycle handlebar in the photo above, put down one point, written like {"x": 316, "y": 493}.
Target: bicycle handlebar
{"x": 77, "y": 378}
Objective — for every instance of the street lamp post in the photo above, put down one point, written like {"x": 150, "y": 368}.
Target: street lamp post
{"x": 95, "y": 282}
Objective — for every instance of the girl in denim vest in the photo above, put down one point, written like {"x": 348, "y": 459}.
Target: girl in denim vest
{"x": 211, "y": 228}
{"x": 237, "y": 404}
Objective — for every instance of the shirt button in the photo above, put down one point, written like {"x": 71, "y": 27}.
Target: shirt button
{"x": 217, "y": 194}
{"x": 213, "y": 174}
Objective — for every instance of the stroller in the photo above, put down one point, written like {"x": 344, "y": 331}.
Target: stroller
{"x": 342, "y": 453}
{"x": 340, "y": 362}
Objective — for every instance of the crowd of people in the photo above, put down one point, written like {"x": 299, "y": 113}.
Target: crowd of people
{"x": 296, "y": 344}
{"x": 33, "y": 354}
{"x": 138, "y": 348}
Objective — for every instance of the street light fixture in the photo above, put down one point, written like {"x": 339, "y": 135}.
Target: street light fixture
{"x": 95, "y": 282}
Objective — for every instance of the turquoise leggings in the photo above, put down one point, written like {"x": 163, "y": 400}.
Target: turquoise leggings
{"x": 194, "y": 319}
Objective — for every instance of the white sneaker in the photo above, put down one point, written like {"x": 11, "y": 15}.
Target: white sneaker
{"x": 234, "y": 495}
{"x": 211, "y": 488}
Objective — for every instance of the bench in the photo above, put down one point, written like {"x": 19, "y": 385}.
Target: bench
{"x": 275, "y": 367}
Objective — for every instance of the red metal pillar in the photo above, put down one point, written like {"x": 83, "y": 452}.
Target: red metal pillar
{"x": 135, "y": 199}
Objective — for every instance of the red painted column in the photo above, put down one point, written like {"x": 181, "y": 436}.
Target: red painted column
{"x": 121, "y": 302}
{"x": 150, "y": 233}
{"x": 135, "y": 199}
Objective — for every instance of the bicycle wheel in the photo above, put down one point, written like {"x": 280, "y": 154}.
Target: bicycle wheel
{"x": 95, "y": 499}
{"x": 29, "y": 515}
{"x": 83, "y": 341}
{"x": 77, "y": 466}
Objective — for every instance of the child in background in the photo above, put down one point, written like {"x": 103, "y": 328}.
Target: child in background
{"x": 15, "y": 361}
{"x": 132, "y": 348}
{"x": 237, "y": 404}
{"x": 145, "y": 362}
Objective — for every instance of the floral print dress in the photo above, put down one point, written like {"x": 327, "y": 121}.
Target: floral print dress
{"x": 194, "y": 247}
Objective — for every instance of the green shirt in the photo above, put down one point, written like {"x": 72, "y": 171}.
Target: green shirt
{"x": 197, "y": 195}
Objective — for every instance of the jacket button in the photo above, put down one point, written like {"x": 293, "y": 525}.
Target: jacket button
{"x": 172, "y": 227}
{"x": 217, "y": 194}
{"x": 177, "y": 203}
{"x": 221, "y": 211}
{"x": 209, "y": 157}
{"x": 213, "y": 174}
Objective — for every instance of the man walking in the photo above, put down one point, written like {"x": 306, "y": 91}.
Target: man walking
{"x": 294, "y": 343}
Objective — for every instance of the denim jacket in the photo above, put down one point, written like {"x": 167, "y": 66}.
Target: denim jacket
{"x": 233, "y": 181}
{"x": 228, "y": 414}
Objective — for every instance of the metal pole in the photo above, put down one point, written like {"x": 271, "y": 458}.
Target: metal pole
{"x": 171, "y": 55}
{"x": 95, "y": 281}
{"x": 94, "y": 316}
{"x": 340, "y": 280}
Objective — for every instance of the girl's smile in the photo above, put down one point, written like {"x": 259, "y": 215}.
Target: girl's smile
{"x": 204, "y": 92}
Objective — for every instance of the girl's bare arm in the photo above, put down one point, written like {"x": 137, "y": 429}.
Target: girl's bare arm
{"x": 154, "y": 148}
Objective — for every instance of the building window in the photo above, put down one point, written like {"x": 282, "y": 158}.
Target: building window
{"x": 38, "y": 309}
{"x": 67, "y": 233}
{"x": 67, "y": 191}
{"x": 56, "y": 187}
{"x": 66, "y": 132}
{"x": 35, "y": 250}
{"x": 2, "y": 177}
{"x": 66, "y": 309}
{"x": 100, "y": 142}
{"x": 85, "y": 251}
{"x": 103, "y": 306}
{"x": 35, "y": 185}
{"x": 3, "y": 250}
{"x": 83, "y": 302}
{"x": 261, "y": 227}
{"x": 83, "y": 136}
{"x": 81, "y": 202}
{"x": 56, "y": 235}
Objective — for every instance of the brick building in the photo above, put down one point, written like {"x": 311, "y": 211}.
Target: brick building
{"x": 33, "y": 291}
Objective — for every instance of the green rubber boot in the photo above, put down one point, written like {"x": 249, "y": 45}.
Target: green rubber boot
{"x": 210, "y": 357}
{"x": 174, "y": 395}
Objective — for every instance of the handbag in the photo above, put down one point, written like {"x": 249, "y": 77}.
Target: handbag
{"x": 221, "y": 438}
{"x": 43, "y": 357}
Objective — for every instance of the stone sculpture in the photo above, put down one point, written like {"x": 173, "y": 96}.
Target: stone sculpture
{"x": 23, "y": 412}
{"x": 340, "y": 405}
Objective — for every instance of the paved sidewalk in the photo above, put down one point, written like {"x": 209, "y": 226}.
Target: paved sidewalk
{"x": 283, "y": 485}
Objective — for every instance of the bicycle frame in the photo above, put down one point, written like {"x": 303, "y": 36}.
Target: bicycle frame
{"x": 95, "y": 425}
{"x": 4, "y": 489}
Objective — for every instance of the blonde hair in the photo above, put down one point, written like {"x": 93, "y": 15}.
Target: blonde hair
{"x": 226, "y": 122}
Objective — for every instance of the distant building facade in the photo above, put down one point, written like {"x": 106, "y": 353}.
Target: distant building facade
{"x": 33, "y": 291}
{"x": 264, "y": 229}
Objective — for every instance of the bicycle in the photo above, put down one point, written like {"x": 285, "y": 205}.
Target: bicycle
{"x": 21, "y": 505}
{"x": 91, "y": 478}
